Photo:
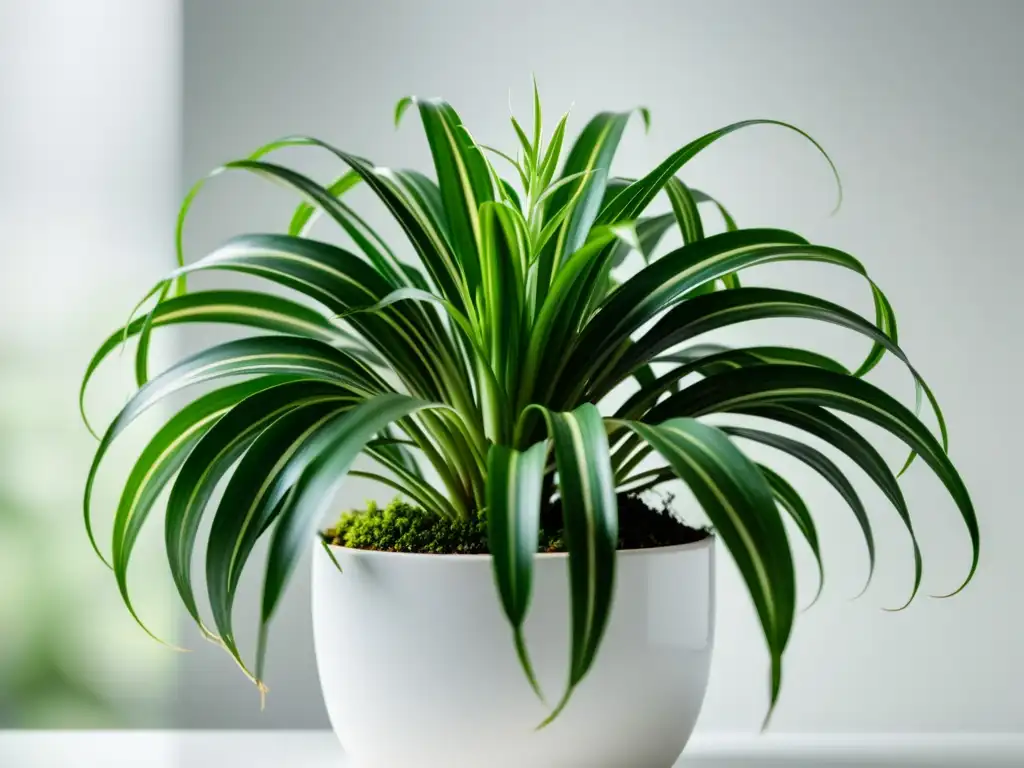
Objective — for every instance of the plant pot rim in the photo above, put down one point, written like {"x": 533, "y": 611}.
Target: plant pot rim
{"x": 639, "y": 552}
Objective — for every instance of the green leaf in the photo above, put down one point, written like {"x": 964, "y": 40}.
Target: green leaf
{"x": 822, "y": 424}
{"x": 739, "y": 503}
{"x": 320, "y": 465}
{"x": 553, "y": 153}
{"x": 211, "y": 459}
{"x": 413, "y": 294}
{"x": 825, "y": 467}
{"x": 409, "y": 482}
{"x": 558, "y": 319}
{"x": 248, "y": 308}
{"x": 591, "y": 154}
{"x": 378, "y": 253}
{"x": 402, "y": 105}
{"x": 524, "y": 142}
{"x": 788, "y": 498}
{"x": 145, "y": 334}
{"x": 760, "y": 355}
{"x": 252, "y": 502}
{"x": 667, "y": 280}
{"x": 190, "y": 197}
{"x": 514, "y": 483}
{"x": 510, "y": 160}
{"x": 156, "y": 465}
{"x": 590, "y": 517}
{"x": 649, "y": 233}
{"x": 403, "y": 194}
{"x": 342, "y": 282}
{"x": 511, "y": 195}
{"x": 727, "y": 219}
{"x": 714, "y": 311}
{"x": 562, "y": 182}
{"x": 306, "y": 213}
{"x": 257, "y": 355}
{"x": 684, "y": 208}
{"x": 423, "y": 197}
{"x": 632, "y": 201}
{"x": 463, "y": 179}
{"x": 645, "y": 115}
{"x": 470, "y": 334}
{"x": 537, "y": 119}
{"x": 804, "y": 385}
{"x": 503, "y": 264}
{"x": 706, "y": 361}
{"x": 247, "y": 357}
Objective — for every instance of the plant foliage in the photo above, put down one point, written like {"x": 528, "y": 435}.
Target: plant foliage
{"x": 473, "y": 371}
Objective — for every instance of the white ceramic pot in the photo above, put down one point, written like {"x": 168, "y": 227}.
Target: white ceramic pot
{"x": 418, "y": 667}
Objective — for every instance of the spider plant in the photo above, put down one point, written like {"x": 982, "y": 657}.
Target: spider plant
{"x": 474, "y": 371}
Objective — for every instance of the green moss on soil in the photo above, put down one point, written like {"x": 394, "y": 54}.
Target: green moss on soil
{"x": 404, "y": 527}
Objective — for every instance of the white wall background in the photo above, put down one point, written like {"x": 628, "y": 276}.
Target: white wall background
{"x": 920, "y": 105}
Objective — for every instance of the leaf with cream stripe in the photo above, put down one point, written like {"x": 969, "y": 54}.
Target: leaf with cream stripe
{"x": 591, "y": 155}
{"x": 825, "y": 467}
{"x": 665, "y": 282}
{"x": 319, "y": 466}
{"x": 787, "y": 497}
{"x": 251, "y": 502}
{"x": 247, "y": 308}
{"x": 292, "y": 357}
{"x": 463, "y": 180}
{"x": 514, "y": 486}
{"x": 212, "y": 458}
{"x": 714, "y": 311}
{"x": 826, "y": 426}
{"x": 590, "y": 517}
{"x": 739, "y": 503}
{"x": 163, "y": 455}
{"x": 632, "y": 200}
{"x": 804, "y": 385}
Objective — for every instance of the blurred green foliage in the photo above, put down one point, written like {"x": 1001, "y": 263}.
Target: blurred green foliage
{"x": 64, "y": 663}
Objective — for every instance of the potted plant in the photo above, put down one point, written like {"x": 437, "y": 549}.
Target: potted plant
{"x": 522, "y": 604}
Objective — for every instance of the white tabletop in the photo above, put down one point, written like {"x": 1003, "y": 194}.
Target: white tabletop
{"x": 319, "y": 749}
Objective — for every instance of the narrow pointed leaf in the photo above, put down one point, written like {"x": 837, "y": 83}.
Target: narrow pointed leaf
{"x": 293, "y": 357}
{"x": 590, "y": 517}
{"x": 804, "y": 385}
{"x": 714, "y": 311}
{"x": 649, "y": 233}
{"x": 788, "y": 498}
{"x": 821, "y": 423}
{"x": 515, "y": 480}
{"x": 306, "y": 214}
{"x": 156, "y": 466}
{"x": 667, "y": 280}
{"x": 319, "y": 465}
{"x": 684, "y": 207}
{"x": 251, "y": 502}
{"x": 247, "y": 308}
{"x": 463, "y": 179}
{"x": 553, "y": 153}
{"x": 739, "y": 503}
{"x": 632, "y": 201}
{"x": 365, "y": 238}
{"x": 712, "y": 362}
{"x": 825, "y": 467}
{"x": 212, "y": 458}
{"x": 592, "y": 153}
